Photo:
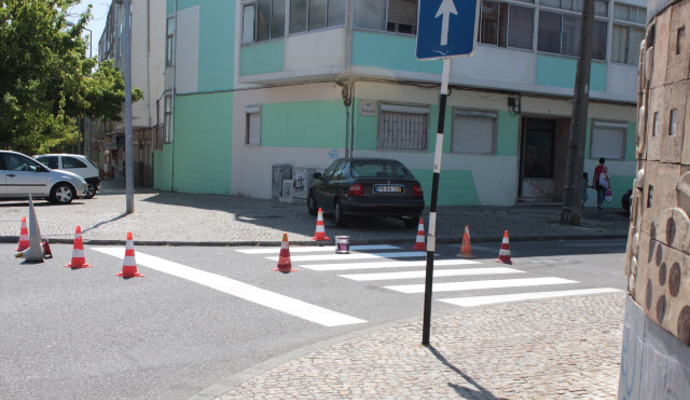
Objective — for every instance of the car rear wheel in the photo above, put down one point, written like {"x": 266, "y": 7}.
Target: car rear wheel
{"x": 311, "y": 204}
{"x": 339, "y": 215}
{"x": 411, "y": 222}
{"x": 62, "y": 193}
{"x": 90, "y": 191}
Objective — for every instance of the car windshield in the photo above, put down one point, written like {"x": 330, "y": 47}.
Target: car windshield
{"x": 379, "y": 169}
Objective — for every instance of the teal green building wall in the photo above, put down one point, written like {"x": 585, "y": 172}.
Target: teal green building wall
{"x": 392, "y": 52}
{"x": 262, "y": 58}
{"x": 203, "y": 144}
{"x": 560, "y": 72}
{"x": 455, "y": 187}
{"x": 216, "y": 45}
{"x": 311, "y": 124}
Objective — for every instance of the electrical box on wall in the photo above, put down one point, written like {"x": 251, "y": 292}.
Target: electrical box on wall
{"x": 302, "y": 178}
{"x": 281, "y": 172}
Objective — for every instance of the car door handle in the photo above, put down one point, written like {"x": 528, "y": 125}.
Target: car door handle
{"x": 11, "y": 175}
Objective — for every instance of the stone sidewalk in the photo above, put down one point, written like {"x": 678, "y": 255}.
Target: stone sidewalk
{"x": 564, "y": 348}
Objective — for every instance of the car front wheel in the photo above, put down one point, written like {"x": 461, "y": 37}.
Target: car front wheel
{"x": 62, "y": 193}
{"x": 311, "y": 204}
{"x": 339, "y": 215}
{"x": 90, "y": 191}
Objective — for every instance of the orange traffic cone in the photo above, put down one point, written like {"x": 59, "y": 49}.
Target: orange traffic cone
{"x": 24, "y": 242}
{"x": 129, "y": 266}
{"x": 466, "y": 248}
{"x": 320, "y": 228}
{"x": 284, "y": 264}
{"x": 78, "y": 259}
{"x": 420, "y": 244}
{"x": 504, "y": 253}
{"x": 47, "y": 253}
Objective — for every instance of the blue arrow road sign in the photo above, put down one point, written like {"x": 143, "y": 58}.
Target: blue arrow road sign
{"x": 446, "y": 28}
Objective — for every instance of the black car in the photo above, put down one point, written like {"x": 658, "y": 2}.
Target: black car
{"x": 367, "y": 186}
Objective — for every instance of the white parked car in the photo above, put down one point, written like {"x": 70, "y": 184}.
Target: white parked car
{"x": 21, "y": 176}
{"x": 75, "y": 163}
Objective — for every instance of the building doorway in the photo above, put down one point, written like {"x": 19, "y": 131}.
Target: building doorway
{"x": 543, "y": 157}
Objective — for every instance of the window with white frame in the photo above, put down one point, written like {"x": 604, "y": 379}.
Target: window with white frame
{"x": 403, "y": 127}
{"x": 398, "y": 16}
{"x": 253, "y": 134}
{"x": 474, "y": 132}
{"x": 168, "y": 119}
{"x": 628, "y": 33}
{"x": 560, "y": 33}
{"x": 601, "y": 7}
{"x": 608, "y": 140}
{"x": 263, "y": 20}
{"x": 309, "y": 15}
{"x": 506, "y": 25}
{"x": 170, "y": 42}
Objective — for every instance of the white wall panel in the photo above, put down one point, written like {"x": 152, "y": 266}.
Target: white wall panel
{"x": 187, "y": 50}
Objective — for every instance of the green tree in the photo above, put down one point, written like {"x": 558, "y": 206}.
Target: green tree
{"x": 46, "y": 81}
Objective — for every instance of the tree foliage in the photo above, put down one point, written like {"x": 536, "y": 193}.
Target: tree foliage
{"x": 46, "y": 81}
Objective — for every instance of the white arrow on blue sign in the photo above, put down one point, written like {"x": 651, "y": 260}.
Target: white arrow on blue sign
{"x": 446, "y": 28}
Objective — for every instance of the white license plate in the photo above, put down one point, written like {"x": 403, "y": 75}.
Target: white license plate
{"x": 388, "y": 189}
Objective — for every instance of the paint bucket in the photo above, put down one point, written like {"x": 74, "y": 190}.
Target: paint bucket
{"x": 342, "y": 245}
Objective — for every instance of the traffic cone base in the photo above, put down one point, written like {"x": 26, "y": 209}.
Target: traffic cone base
{"x": 466, "y": 248}
{"x": 284, "y": 263}
{"x": 34, "y": 254}
{"x": 320, "y": 228}
{"x": 420, "y": 244}
{"x": 23, "y": 237}
{"x": 129, "y": 265}
{"x": 47, "y": 253}
{"x": 504, "y": 253}
{"x": 78, "y": 258}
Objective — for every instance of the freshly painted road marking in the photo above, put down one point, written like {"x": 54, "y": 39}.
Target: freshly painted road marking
{"x": 351, "y": 256}
{"x": 239, "y": 289}
{"x": 475, "y": 285}
{"x": 441, "y": 273}
{"x": 382, "y": 264}
{"x": 506, "y": 298}
{"x": 314, "y": 249}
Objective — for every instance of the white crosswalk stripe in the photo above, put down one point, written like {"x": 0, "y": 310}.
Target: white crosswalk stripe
{"x": 362, "y": 259}
{"x": 485, "y": 284}
{"x": 442, "y": 273}
{"x": 312, "y": 249}
{"x": 352, "y": 256}
{"x": 506, "y": 298}
{"x": 383, "y": 264}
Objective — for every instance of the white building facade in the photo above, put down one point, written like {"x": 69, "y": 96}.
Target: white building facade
{"x": 288, "y": 86}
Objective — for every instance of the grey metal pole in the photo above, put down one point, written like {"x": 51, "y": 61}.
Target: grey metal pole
{"x": 572, "y": 199}
{"x": 431, "y": 240}
{"x": 129, "y": 146}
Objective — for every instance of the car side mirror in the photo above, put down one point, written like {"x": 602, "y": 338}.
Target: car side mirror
{"x": 317, "y": 175}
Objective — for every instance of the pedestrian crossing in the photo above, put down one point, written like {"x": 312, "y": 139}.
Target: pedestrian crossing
{"x": 388, "y": 265}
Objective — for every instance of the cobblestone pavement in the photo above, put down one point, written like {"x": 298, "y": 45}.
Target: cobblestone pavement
{"x": 565, "y": 348}
{"x": 173, "y": 218}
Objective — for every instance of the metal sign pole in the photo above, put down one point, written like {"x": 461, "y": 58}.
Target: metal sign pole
{"x": 431, "y": 240}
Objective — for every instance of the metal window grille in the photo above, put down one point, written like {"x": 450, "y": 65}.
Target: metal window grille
{"x": 402, "y": 131}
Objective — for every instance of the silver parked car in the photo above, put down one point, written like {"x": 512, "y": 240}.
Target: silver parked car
{"x": 21, "y": 175}
{"x": 75, "y": 163}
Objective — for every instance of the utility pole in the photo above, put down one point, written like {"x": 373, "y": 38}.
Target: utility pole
{"x": 129, "y": 145}
{"x": 572, "y": 199}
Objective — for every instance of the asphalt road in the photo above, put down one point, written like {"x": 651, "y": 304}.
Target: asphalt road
{"x": 192, "y": 320}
